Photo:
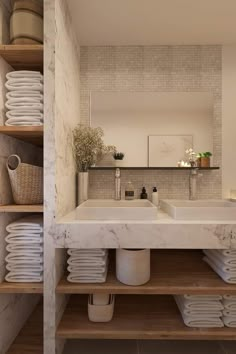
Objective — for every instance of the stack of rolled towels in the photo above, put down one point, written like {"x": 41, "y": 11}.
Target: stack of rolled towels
{"x": 24, "y": 261}
{"x": 24, "y": 102}
{"x": 229, "y": 312}
{"x": 223, "y": 262}
{"x": 87, "y": 265}
{"x": 200, "y": 310}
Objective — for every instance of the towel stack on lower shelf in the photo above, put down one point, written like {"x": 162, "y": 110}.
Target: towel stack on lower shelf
{"x": 24, "y": 261}
{"x": 229, "y": 312}
{"x": 200, "y": 310}
{"x": 223, "y": 262}
{"x": 87, "y": 265}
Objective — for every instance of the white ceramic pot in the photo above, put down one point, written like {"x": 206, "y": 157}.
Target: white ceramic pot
{"x": 100, "y": 313}
{"x": 119, "y": 163}
{"x": 133, "y": 266}
{"x": 83, "y": 185}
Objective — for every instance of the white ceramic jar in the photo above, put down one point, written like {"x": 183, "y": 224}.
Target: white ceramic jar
{"x": 133, "y": 266}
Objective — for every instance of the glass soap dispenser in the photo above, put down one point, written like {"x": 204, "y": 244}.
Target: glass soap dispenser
{"x": 129, "y": 191}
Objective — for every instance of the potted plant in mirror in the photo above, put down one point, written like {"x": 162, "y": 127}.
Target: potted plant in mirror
{"x": 119, "y": 157}
{"x": 205, "y": 159}
{"x": 88, "y": 147}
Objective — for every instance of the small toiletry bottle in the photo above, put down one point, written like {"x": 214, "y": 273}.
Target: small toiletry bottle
{"x": 129, "y": 191}
{"x": 155, "y": 198}
{"x": 143, "y": 195}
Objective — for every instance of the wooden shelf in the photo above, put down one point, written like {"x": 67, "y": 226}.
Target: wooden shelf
{"x": 30, "y": 338}
{"x": 21, "y": 288}
{"x": 23, "y": 57}
{"x": 32, "y": 135}
{"x": 21, "y": 208}
{"x": 153, "y": 168}
{"x": 135, "y": 317}
{"x": 172, "y": 272}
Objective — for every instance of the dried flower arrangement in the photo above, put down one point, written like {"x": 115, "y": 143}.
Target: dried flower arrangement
{"x": 89, "y": 146}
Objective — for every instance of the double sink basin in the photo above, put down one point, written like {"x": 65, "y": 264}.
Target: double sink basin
{"x": 109, "y": 209}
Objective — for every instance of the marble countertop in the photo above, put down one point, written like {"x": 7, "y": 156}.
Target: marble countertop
{"x": 164, "y": 232}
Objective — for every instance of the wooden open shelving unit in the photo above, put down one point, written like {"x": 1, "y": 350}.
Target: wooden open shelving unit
{"x": 32, "y": 135}
{"x": 23, "y": 57}
{"x": 14, "y": 208}
{"x": 30, "y": 338}
{"x": 172, "y": 272}
{"x": 21, "y": 288}
{"x": 135, "y": 317}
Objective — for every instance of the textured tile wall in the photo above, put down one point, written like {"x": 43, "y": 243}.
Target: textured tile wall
{"x": 160, "y": 69}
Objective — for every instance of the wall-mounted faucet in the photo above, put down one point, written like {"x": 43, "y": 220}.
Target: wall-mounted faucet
{"x": 117, "y": 185}
{"x": 193, "y": 177}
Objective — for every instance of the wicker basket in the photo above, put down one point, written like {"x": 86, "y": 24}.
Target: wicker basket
{"x": 26, "y": 181}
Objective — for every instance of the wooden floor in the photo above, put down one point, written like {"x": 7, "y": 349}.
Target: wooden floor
{"x": 30, "y": 338}
{"x": 172, "y": 272}
{"x": 135, "y": 317}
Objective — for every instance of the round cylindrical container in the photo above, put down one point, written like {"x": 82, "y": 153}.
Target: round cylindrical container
{"x": 133, "y": 266}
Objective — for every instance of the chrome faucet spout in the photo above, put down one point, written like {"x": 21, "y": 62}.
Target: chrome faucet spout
{"x": 117, "y": 185}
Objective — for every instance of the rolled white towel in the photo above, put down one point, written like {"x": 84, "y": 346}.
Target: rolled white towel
{"x": 24, "y": 73}
{"x": 32, "y": 223}
{"x": 228, "y": 252}
{"x": 25, "y": 95}
{"x": 24, "y": 277}
{"x": 199, "y": 313}
{"x": 202, "y": 297}
{"x": 220, "y": 264}
{"x": 24, "y": 267}
{"x": 229, "y": 305}
{"x": 229, "y": 321}
{"x": 87, "y": 252}
{"x": 226, "y": 276}
{"x": 192, "y": 321}
{"x": 220, "y": 258}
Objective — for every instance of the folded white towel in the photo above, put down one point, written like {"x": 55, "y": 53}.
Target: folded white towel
{"x": 15, "y": 258}
{"x": 25, "y": 95}
{"x": 19, "y": 86}
{"x": 230, "y": 313}
{"x": 91, "y": 271}
{"x": 226, "y": 276}
{"x": 24, "y": 74}
{"x": 75, "y": 278}
{"x": 206, "y": 322}
{"x": 24, "y": 267}
{"x": 229, "y": 321}
{"x": 32, "y": 223}
{"x": 22, "y": 239}
{"x": 229, "y": 297}
{"x": 76, "y": 260}
{"x": 220, "y": 258}
{"x": 198, "y": 313}
{"x": 25, "y": 277}
{"x": 87, "y": 252}
{"x": 202, "y": 297}
{"x": 220, "y": 264}
{"x": 31, "y": 114}
{"x": 228, "y": 252}
{"x": 203, "y": 305}
{"x": 24, "y": 80}
{"x": 23, "y": 123}
{"x": 24, "y": 106}
{"x": 21, "y": 248}
{"x": 229, "y": 304}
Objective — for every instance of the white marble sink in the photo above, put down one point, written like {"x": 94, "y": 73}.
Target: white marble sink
{"x": 109, "y": 209}
{"x": 199, "y": 209}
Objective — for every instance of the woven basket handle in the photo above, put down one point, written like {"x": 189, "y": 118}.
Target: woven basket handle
{"x": 13, "y": 161}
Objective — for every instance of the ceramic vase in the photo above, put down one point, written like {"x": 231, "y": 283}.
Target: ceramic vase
{"x": 133, "y": 266}
{"x": 83, "y": 185}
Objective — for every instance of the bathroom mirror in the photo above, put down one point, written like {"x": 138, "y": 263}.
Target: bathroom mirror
{"x": 153, "y": 129}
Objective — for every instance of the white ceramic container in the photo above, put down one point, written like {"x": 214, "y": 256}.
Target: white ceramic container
{"x": 101, "y": 299}
{"x": 133, "y": 266}
{"x": 100, "y": 313}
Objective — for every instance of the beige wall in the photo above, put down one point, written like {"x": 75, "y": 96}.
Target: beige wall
{"x": 228, "y": 119}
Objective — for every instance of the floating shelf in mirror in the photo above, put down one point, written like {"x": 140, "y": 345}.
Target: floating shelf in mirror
{"x": 152, "y": 168}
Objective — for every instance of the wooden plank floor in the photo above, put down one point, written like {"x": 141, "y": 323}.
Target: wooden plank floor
{"x": 135, "y": 317}
{"x": 30, "y": 338}
{"x": 172, "y": 272}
